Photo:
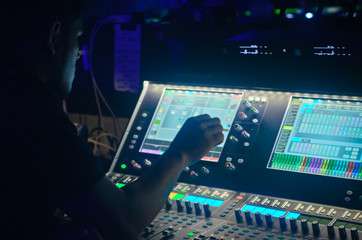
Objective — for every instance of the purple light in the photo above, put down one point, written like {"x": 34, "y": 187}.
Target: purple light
{"x": 85, "y": 57}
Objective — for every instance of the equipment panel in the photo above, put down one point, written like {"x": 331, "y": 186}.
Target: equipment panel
{"x": 292, "y": 145}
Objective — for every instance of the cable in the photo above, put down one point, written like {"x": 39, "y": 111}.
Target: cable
{"x": 101, "y": 144}
{"x": 94, "y": 32}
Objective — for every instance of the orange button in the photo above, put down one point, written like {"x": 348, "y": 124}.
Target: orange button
{"x": 239, "y": 197}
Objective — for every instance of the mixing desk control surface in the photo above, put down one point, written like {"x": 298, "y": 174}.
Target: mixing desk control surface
{"x": 290, "y": 166}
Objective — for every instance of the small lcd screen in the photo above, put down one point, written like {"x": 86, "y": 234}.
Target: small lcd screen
{"x": 176, "y": 106}
{"x": 322, "y": 137}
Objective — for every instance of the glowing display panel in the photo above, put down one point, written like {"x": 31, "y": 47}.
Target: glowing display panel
{"x": 176, "y": 106}
{"x": 322, "y": 137}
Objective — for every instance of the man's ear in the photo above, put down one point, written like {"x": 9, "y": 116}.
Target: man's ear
{"x": 54, "y": 34}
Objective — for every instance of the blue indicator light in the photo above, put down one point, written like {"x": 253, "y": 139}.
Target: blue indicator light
{"x": 202, "y": 200}
{"x": 248, "y": 207}
{"x": 309, "y": 15}
{"x": 270, "y": 211}
{"x": 294, "y": 139}
{"x": 309, "y": 111}
{"x": 309, "y": 105}
{"x": 258, "y": 209}
{"x": 262, "y": 210}
{"x": 278, "y": 213}
{"x": 292, "y": 215}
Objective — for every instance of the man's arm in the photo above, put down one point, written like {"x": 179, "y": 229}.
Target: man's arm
{"x": 124, "y": 213}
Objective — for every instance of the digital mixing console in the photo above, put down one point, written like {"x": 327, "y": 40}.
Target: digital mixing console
{"x": 290, "y": 166}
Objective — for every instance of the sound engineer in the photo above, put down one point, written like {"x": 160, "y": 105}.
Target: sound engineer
{"x": 47, "y": 167}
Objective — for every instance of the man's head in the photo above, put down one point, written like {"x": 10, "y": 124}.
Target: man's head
{"x": 41, "y": 38}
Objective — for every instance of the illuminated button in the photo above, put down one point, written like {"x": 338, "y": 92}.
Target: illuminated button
{"x": 233, "y": 139}
{"x": 136, "y": 166}
{"x": 133, "y": 141}
{"x": 257, "y": 99}
{"x": 194, "y": 174}
{"x": 138, "y": 128}
{"x": 144, "y": 114}
{"x": 235, "y": 228}
{"x": 229, "y": 159}
{"x": 239, "y": 197}
{"x": 166, "y": 215}
{"x": 238, "y": 127}
{"x": 123, "y": 166}
{"x": 247, "y": 103}
{"x": 245, "y": 134}
{"x": 229, "y": 166}
{"x": 190, "y": 234}
{"x": 147, "y": 162}
{"x": 135, "y": 136}
{"x": 254, "y": 110}
{"x": 246, "y": 144}
{"x": 255, "y": 120}
{"x": 242, "y": 115}
{"x": 205, "y": 170}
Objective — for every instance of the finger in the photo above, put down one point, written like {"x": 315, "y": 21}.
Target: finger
{"x": 202, "y": 117}
{"x": 218, "y": 138}
{"x": 210, "y": 122}
{"x": 217, "y": 128}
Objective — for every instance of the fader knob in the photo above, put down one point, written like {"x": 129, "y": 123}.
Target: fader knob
{"x": 342, "y": 232}
{"x": 331, "y": 232}
{"x": 207, "y": 210}
{"x": 315, "y": 227}
{"x": 238, "y": 216}
{"x": 168, "y": 205}
{"x": 354, "y": 234}
{"x": 248, "y": 218}
{"x": 188, "y": 207}
{"x": 305, "y": 228}
{"x": 283, "y": 223}
{"x": 180, "y": 208}
{"x": 197, "y": 208}
{"x": 258, "y": 219}
{"x": 269, "y": 220}
{"x": 293, "y": 225}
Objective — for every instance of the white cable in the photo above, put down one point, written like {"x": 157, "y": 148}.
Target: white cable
{"x": 101, "y": 144}
{"x": 96, "y": 28}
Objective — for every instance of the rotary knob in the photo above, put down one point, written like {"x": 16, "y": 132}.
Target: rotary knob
{"x": 197, "y": 208}
{"x": 282, "y": 223}
{"x": 305, "y": 228}
{"x": 258, "y": 219}
{"x": 248, "y": 218}
{"x": 354, "y": 234}
{"x": 168, "y": 205}
{"x": 238, "y": 216}
{"x": 180, "y": 208}
{"x": 207, "y": 210}
{"x": 188, "y": 207}
{"x": 331, "y": 232}
{"x": 315, "y": 227}
{"x": 269, "y": 220}
{"x": 342, "y": 232}
{"x": 293, "y": 225}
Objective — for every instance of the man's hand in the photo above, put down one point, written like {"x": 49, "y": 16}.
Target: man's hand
{"x": 196, "y": 137}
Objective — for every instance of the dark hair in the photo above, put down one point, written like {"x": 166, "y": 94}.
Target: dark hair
{"x": 23, "y": 18}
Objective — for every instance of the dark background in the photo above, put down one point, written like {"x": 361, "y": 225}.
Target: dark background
{"x": 186, "y": 42}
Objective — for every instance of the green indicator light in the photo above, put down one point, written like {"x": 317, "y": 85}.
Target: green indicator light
{"x": 178, "y": 196}
{"x": 123, "y": 166}
{"x": 220, "y": 197}
{"x": 204, "y": 194}
{"x": 119, "y": 185}
{"x": 247, "y": 13}
{"x": 191, "y": 234}
{"x": 277, "y": 11}
{"x": 251, "y": 109}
